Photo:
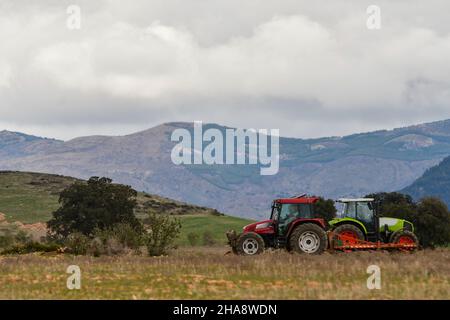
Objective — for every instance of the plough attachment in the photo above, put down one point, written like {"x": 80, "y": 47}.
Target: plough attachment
{"x": 347, "y": 243}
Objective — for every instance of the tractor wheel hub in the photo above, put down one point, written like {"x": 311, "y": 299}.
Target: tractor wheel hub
{"x": 250, "y": 246}
{"x": 309, "y": 242}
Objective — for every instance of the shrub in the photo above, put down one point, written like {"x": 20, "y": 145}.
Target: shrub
{"x": 30, "y": 247}
{"x": 116, "y": 240}
{"x": 77, "y": 243}
{"x": 208, "y": 239}
{"x": 6, "y": 240}
{"x": 11, "y": 237}
{"x": 161, "y": 234}
{"x": 96, "y": 247}
{"x": 22, "y": 237}
{"x": 192, "y": 238}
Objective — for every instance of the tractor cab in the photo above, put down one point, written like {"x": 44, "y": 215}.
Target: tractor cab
{"x": 359, "y": 218}
{"x": 362, "y": 212}
{"x": 286, "y": 211}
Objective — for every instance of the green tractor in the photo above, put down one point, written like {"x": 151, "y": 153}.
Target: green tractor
{"x": 359, "y": 223}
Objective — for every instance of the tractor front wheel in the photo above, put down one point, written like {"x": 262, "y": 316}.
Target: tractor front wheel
{"x": 249, "y": 244}
{"x": 308, "y": 238}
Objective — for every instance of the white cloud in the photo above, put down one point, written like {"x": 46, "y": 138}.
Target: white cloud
{"x": 5, "y": 74}
{"x": 305, "y": 69}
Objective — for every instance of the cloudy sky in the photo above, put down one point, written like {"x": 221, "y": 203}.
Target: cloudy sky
{"x": 309, "y": 68}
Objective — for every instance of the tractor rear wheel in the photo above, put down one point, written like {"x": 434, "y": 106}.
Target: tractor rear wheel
{"x": 404, "y": 237}
{"x": 347, "y": 234}
{"x": 249, "y": 244}
{"x": 308, "y": 238}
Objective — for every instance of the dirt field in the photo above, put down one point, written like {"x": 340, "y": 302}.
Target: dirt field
{"x": 206, "y": 273}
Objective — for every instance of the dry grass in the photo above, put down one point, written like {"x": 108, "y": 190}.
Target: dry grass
{"x": 206, "y": 273}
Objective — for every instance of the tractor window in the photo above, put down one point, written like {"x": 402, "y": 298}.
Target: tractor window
{"x": 300, "y": 210}
{"x": 350, "y": 210}
{"x": 305, "y": 210}
{"x": 365, "y": 214}
{"x": 288, "y": 211}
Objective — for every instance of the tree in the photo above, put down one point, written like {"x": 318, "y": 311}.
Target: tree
{"x": 324, "y": 208}
{"x": 386, "y": 199}
{"x": 394, "y": 204}
{"x": 162, "y": 233}
{"x": 432, "y": 222}
{"x": 97, "y": 204}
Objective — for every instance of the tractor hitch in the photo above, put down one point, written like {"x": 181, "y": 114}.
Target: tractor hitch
{"x": 232, "y": 237}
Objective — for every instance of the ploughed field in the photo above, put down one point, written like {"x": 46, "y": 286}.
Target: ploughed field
{"x": 209, "y": 273}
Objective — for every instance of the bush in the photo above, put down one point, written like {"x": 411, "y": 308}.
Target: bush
{"x": 31, "y": 247}
{"x": 162, "y": 232}
{"x": 96, "y": 247}
{"x": 6, "y": 240}
{"x": 116, "y": 240}
{"x": 77, "y": 243}
{"x": 97, "y": 204}
{"x": 192, "y": 238}
{"x": 208, "y": 239}
{"x": 16, "y": 241}
{"x": 13, "y": 237}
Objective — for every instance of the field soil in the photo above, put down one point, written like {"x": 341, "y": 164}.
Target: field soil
{"x": 209, "y": 273}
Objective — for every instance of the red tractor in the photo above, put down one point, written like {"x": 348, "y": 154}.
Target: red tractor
{"x": 292, "y": 225}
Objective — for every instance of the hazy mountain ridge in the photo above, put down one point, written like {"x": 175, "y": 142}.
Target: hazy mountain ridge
{"x": 434, "y": 182}
{"x": 332, "y": 166}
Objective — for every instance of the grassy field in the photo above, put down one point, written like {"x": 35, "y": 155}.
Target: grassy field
{"x": 215, "y": 225}
{"x": 32, "y": 197}
{"x": 206, "y": 273}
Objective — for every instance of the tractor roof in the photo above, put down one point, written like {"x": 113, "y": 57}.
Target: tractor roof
{"x": 297, "y": 200}
{"x": 356, "y": 200}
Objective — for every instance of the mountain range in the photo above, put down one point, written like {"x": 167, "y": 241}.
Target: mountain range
{"x": 434, "y": 182}
{"x": 352, "y": 165}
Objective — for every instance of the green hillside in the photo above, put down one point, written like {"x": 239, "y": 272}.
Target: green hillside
{"x": 216, "y": 225}
{"x": 32, "y": 197}
{"x": 434, "y": 182}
